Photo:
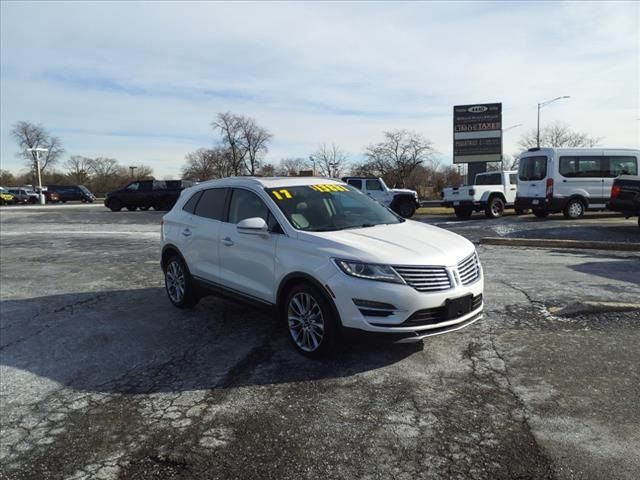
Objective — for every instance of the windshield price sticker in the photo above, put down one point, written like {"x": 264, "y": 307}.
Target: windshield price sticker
{"x": 281, "y": 194}
{"x": 329, "y": 188}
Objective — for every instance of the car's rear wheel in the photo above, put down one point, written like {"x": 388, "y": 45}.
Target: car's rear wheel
{"x": 145, "y": 208}
{"x": 520, "y": 211}
{"x": 310, "y": 320}
{"x": 540, "y": 213}
{"x": 463, "y": 212}
{"x": 495, "y": 208}
{"x": 132, "y": 209}
{"x": 179, "y": 285}
{"x": 574, "y": 209}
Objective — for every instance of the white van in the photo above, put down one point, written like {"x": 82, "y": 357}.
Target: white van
{"x": 571, "y": 180}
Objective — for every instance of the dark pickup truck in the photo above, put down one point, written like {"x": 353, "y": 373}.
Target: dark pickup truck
{"x": 625, "y": 196}
{"x": 144, "y": 194}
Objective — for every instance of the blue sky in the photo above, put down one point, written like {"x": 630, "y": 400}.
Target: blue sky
{"x": 142, "y": 81}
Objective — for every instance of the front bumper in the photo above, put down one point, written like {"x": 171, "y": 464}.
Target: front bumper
{"x": 406, "y": 301}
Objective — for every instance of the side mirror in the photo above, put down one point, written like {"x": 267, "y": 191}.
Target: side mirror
{"x": 253, "y": 226}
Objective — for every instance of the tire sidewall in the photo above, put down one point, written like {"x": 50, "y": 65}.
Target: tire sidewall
{"x": 489, "y": 211}
{"x": 567, "y": 209}
{"x": 189, "y": 294}
{"x": 328, "y": 315}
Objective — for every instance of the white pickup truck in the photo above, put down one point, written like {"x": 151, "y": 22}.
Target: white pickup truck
{"x": 401, "y": 200}
{"x": 491, "y": 192}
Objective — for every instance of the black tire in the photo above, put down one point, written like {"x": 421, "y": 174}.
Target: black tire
{"x": 495, "y": 208}
{"x": 574, "y": 209}
{"x": 132, "y": 209}
{"x": 115, "y": 205}
{"x": 178, "y": 284}
{"x": 406, "y": 209}
{"x": 520, "y": 211}
{"x": 167, "y": 204}
{"x": 145, "y": 208}
{"x": 540, "y": 213}
{"x": 463, "y": 212}
{"x": 317, "y": 333}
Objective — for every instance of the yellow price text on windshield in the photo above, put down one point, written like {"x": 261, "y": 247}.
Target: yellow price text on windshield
{"x": 329, "y": 188}
{"x": 282, "y": 194}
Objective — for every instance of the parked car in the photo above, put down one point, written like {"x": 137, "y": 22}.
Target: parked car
{"x": 323, "y": 256}
{"x": 491, "y": 192}
{"x": 71, "y": 193}
{"x": 625, "y": 196}
{"x": 143, "y": 194}
{"x": 21, "y": 195}
{"x": 49, "y": 195}
{"x": 571, "y": 180}
{"x": 6, "y": 198}
{"x": 401, "y": 200}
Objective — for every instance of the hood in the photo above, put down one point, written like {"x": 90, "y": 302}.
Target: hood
{"x": 404, "y": 190}
{"x": 407, "y": 243}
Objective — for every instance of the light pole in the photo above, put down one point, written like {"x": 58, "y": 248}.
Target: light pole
{"x": 313, "y": 161}
{"x": 544, "y": 104}
{"x": 502, "y": 140}
{"x": 132, "y": 169}
{"x": 38, "y": 150}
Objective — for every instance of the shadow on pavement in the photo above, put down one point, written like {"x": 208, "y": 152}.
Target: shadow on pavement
{"x": 136, "y": 342}
{"x": 624, "y": 270}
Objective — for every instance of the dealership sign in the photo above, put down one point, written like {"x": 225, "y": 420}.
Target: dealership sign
{"x": 477, "y": 133}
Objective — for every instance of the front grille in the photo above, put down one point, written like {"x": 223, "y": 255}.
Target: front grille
{"x": 425, "y": 279}
{"x": 431, "y": 316}
{"x": 469, "y": 270}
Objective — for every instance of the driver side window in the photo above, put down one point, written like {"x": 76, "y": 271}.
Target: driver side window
{"x": 245, "y": 204}
{"x": 133, "y": 186}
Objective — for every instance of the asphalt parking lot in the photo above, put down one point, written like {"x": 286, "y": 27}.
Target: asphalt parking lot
{"x": 101, "y": 378}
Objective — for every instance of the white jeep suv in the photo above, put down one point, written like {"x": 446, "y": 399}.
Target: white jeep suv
{"x": 323, "y": 255}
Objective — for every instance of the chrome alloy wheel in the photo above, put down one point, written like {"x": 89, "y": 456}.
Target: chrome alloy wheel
{"x": 175, "y": 281}
{"x": 306, "y": 323}
{"x": 575, "y": 209}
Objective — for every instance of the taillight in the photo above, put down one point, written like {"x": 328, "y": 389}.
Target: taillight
{"x": 615, "y": 191}
{"x": 549, "y": 192}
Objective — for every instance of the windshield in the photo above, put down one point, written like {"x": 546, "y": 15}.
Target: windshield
{"x": 532, "y": 168}
{"x": 323, "y": 208}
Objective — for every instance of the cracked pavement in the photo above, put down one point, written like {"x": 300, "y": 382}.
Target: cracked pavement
{"x": 100, "y": 378}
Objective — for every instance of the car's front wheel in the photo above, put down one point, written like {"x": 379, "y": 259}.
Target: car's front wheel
{"x": 310, "y": 320}
{"x": 178, "y": 284}
{"x": 406, "y": 209}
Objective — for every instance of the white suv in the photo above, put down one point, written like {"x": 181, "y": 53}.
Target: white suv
{"x": 323, "y": 255}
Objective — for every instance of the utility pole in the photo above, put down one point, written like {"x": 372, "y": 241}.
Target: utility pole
{"x": 38, "y": 150}
{"x": 132, "y": 169}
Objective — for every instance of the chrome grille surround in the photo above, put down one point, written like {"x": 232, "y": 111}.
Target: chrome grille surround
{"x": 469, "y": 269}
{"x": 425, "y": 279}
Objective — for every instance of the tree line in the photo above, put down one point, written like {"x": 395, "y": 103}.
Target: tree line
{"x": 402, "y": 157}
{"x": 100, "y": 174}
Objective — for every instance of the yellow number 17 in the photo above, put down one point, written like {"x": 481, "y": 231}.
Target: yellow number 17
{"x": 282, "y": 194}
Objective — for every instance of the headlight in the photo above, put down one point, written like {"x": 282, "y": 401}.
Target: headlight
{"x": 368, "y": 271}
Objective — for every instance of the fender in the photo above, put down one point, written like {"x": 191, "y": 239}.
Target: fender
{"x": 289, "y": 278}
{"x": 400, "y": 197}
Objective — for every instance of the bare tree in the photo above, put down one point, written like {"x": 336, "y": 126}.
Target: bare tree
{"x": 254, "y": 140}
{"x": 205, "y": 164}
{"x": 143, "y": 172}
{"x": 230, "y": 127}
{"x": 268, "y": 170}
{"x": 330, "y": 160}
{"x": 78, "y": 169}
{"x": 397, "y": 156}
{"x": 31, "y": 135}
{"x": 7, "y": 178}
{"x": 291, "y": 166}
{"x": 558, "y": 135}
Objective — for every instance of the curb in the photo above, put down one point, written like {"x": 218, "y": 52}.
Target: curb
{"x": 548, "y": 243}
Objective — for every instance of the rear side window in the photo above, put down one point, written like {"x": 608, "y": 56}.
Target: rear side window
{"x": 491, "y": 179}
{"x": 190, "y": 206}
{"x": 373, "y": 185}
{"x": 159, "y": 185}
{"x": 211, "y": 204}
{"x": 581, "y": 166}
{"x": 356, "y": 183}
{"x": 532, "y": 168}
{"x": 619, "y": 165}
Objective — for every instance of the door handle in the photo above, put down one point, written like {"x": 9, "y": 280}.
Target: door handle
{"x": 186, "y": 232}
{"x": 227, "y": 241}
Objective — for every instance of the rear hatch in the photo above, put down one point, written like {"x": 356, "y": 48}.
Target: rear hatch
{"x": 532, "y": 175}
